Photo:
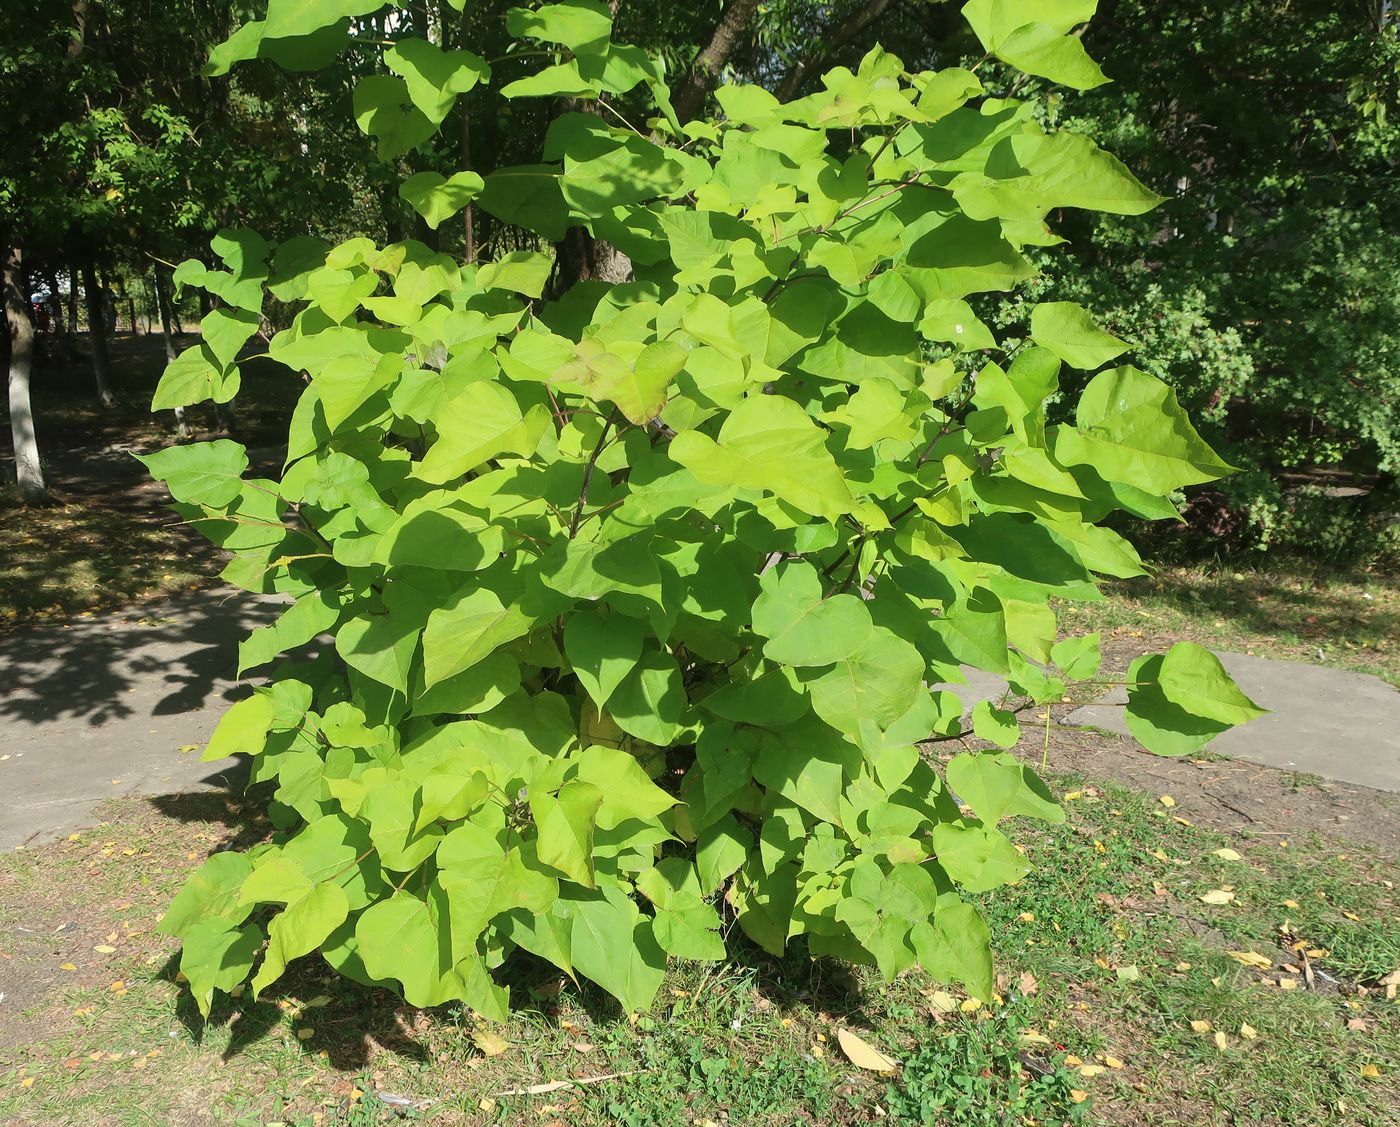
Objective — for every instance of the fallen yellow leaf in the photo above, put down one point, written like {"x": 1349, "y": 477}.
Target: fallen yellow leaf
{"x": 1220, "y": 1039}
{"x": 1089, "y": 1071}
{"x": 1290, "y": 903}
{"x": 1072, "y": 1060}
{"x": 864, "y": 1055}
{"x": 1070, "y": 795}
{"x": 1201, "y": 1026}
{"x": 1248, "y": 1032}
{"x": 66, "y": 966}
{"x": 1112, "y": 1062}
{"x": 491, "y": 1044}
{"x": 1078, "y": 1096}
{"x": 1167, "y": 800}
{"x": 942, "y": 1002}
{"x": 104, "y": 949}
{"x": 1217, "y": 896}
{"x": 1370, "y": 1072}
{"x": 1288, "y": 984}
{"x": 305, "y": 1033}
{"x": 1251, "y": 959}
{"x": 1227, "y": 855}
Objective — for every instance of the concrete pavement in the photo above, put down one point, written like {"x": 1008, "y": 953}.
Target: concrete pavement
{"x": 100, "y": 707}
{"x": 1329, "y": 722}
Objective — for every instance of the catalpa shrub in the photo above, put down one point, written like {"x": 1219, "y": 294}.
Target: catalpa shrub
{"x": 627, "y": 601}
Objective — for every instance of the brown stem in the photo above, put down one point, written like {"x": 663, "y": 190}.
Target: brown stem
{"x": 588, "y": 476}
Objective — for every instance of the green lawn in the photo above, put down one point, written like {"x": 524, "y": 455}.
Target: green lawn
{"x": 1124, "y": 998}
{"x": 1347, "y": 619}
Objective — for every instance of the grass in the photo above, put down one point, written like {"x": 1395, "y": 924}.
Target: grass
{"x": 1347, "y": 619}
{"x": 1118, "y": 1002}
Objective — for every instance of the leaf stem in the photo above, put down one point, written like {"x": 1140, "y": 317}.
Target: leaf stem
{"x": 588, "y": 476}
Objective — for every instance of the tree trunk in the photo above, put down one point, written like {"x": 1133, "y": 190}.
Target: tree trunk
{"x": 704, "y": 72}
{"x": 582, "y": 258}
{"x": 72, "y": 302}
{"x": 163, "y": 304}
{"x": 62, "y": 335}
{"x": 97, "y": 335}
{"x": 29, "y": 475}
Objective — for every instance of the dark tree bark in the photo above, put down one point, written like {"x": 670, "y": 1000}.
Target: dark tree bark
{"x": 163, "y": 305}
{"x": 704, "y": 72}
{"x": 29, "y": 475}
{"x": 63, "y": 347}
{"x": 72, "y": 302}
{"x": 828, "y": 42}
{"x": 97, "y": 335}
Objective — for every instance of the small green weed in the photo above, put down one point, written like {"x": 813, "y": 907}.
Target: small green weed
{"x": 976, "y": 1077}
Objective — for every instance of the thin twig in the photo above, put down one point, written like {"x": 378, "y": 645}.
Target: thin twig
{"x": 588, "y": 476}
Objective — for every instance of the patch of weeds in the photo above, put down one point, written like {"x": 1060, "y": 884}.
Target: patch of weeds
{"x": 975, "y": 1077}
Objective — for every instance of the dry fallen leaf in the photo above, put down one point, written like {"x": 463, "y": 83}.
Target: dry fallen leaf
{"x": 1217, "y": 896}
{"x": 305, "y": 1033}
{"x": 942, "y": 1002}
{"x": 1288, "y": 984}
{"x": 1201, "y": 1026}
{"x": 1227, "y": 854}
{"x": 1112, "y": 1062}
{"x": 1077, "y": 1095}
{"x": 1167, "y": 800}
{"x": 1089, "y": 1071}
{"x": 864, "y": 1055}
{"x": 1370, "y": 1072}
{"x": 1220, "y": 1039}
{"x": 491, "y": 1044}
{"x": 1251, "y": 959}
{"x": 1248, "y": 1032}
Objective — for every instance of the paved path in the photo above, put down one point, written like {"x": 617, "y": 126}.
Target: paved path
{"x": 1328, "y": 722}
{"x": 101, "y": 707}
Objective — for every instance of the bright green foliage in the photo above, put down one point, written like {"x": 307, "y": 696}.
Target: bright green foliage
{"x": 637, "y": 592}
